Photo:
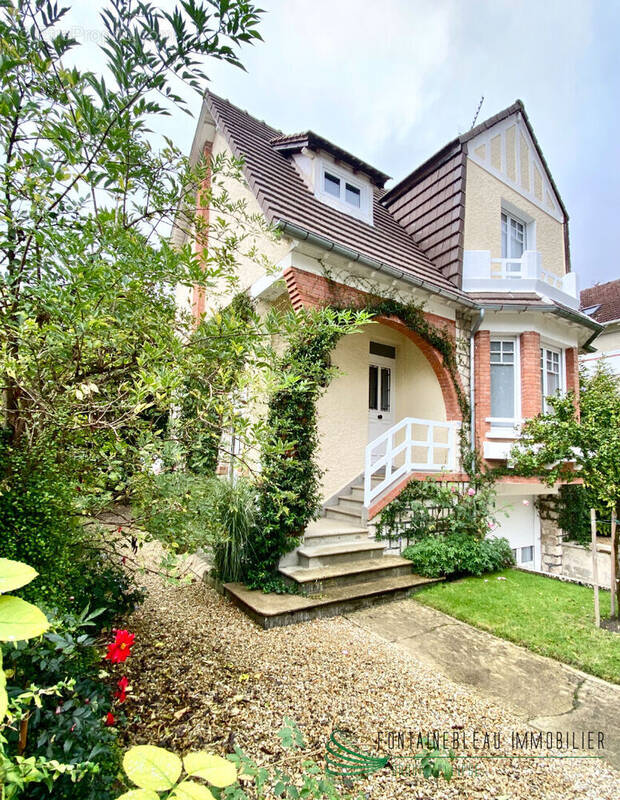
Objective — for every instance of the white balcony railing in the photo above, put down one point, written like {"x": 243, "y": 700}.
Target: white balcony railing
{"x": 412, "y": 445}
{"x": 485, "y": 274}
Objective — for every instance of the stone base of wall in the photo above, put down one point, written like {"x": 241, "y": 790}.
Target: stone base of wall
{"x": 568, "y": 559}
{"x": 577, "y": 563}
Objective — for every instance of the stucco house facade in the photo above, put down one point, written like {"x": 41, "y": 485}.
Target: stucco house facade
{"x": 478, "y": 234}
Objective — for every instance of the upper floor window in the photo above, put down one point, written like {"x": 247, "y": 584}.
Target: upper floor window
{"x": 514, "y": 240}
{"x": 550, "y": 374}
{"x": 343, "y": 191}
{"x": 504, "y": 384}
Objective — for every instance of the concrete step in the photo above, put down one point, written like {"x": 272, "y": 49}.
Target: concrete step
{"x": 274, "y": 610}
{"x": 357, "y": 493}
{"x": 319, "y": 579}
{"x": 350, "y": 503}
{"x": 329, "y": 555}
{"x": 325, "y": 531}
{"x": 346, "y": 514}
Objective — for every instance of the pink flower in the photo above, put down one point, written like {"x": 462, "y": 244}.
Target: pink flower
{"x": 471, "y": 492}
{"x": 526, "y": 502}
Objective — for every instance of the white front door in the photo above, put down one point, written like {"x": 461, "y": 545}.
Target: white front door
{"x": 380, "y": 397}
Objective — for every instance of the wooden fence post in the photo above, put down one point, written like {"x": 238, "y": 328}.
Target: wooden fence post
{"x": 597, "y": 610}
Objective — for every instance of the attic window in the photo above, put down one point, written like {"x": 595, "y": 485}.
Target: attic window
{"x": 344, "y": 192}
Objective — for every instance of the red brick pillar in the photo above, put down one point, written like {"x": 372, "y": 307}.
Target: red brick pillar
{"x": 531, "y": 389}
{"x": 482, "y": 385}
{"x": 202, "y": 212}
{"x": 572, "y": 374}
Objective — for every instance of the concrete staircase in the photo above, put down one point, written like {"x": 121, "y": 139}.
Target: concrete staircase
{"x": 339, "y": 568}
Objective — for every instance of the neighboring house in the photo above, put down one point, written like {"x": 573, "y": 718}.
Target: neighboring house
{"x": 479, "y": 234}
{"x": 602, "y": 303}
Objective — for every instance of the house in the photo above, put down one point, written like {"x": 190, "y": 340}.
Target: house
{"x": 478, "y": 234}
{"x": 602, "y": 303}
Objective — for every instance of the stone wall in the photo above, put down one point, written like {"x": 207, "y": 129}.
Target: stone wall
{"x": 568, "y": 559}
{"x": 550, "y": 535}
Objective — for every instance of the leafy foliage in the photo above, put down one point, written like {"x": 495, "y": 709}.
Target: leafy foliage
{"x": 573, "y": 505}
{"x": 289, "y": 493}
{"x": 456, "y": 555}
{"x": 64, "y": 721}
{"x": 431, "y": 508}
{"x": 552, "y": 443}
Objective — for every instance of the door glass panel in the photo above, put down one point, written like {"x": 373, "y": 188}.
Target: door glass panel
{"x": 373, "y": 384}
{"x": 386, "y": 375}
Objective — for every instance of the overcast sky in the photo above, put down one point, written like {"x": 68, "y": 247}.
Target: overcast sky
{"x": 394, "y": 81}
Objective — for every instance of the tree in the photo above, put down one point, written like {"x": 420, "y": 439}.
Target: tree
{"x": 553, "y": 445}
{"x": 89, "y": 342}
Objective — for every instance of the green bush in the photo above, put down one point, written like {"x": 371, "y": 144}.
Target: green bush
{"x": 69, "y": 726}
{"x": 234, "y": 518}
{"x": 457, "y": 555}
{"x": 574, "y": 504}
{"x": 41, "y": 527}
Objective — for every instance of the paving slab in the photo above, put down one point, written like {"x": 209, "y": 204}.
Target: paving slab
{"x": 549, "y": 695}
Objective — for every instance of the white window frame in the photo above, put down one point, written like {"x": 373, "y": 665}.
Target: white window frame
{"x": 559, "y": 351}
{"x": 511, "y": 217}
{"x": 509, "y": 422}
{"x": 364, "y": 212}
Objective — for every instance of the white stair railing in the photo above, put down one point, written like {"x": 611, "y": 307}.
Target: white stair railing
{"x": 396, "y": 453}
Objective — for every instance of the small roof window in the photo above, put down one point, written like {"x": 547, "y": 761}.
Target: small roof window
{"x": 343, "y": 191}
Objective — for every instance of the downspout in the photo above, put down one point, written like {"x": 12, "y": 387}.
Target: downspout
{"x": 472, "y": 397}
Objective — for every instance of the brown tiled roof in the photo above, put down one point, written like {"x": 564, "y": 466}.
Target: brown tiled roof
{"x": 296, "y": 141}
{"x": 284, "y": 197}
{"x": 607, "y": 297}
{"x": 530, "y": 300}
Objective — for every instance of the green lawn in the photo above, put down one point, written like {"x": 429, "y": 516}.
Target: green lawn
{"x": 547, "y": 616}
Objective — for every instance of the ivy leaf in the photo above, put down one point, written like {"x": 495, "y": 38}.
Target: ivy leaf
{"x": 151, "y": 767}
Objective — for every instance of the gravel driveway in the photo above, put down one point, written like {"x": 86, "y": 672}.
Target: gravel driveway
{"x": 204, "y": 676}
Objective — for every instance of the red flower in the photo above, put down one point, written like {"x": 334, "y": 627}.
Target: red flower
{"x": 110, "y": 719}
{"x": 120, "y": 648}
{"x": 121, "y": 693}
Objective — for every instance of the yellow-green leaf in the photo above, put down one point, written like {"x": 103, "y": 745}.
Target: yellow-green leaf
{"x": 20, "y": 620}
{"x": 151, "y": 767}
{"x": 190, "y": 790}
{"x": 139, "y": 794}
{"x": 214, "y": 769}
{"x": 14, "y": 574}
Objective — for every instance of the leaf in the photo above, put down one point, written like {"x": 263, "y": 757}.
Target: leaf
{"x": 14, "y": 574}
{"x": 20, "y": 620}
{"x": 214, "y": 769}
{"x": 151, "y": 767}
{"x": 139, "y": 794}
{"x": 190, "y": 790}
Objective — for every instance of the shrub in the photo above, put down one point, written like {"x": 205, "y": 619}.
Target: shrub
{"x": 66, "y": 725}
{"x": 234, "y": 516}
{"x": 41, "y": 527}
{"x": 456, "y": 555}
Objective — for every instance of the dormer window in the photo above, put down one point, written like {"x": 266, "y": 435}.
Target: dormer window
{"x": 344, "y": 191}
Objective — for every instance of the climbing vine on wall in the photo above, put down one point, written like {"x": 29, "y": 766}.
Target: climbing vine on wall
{"x": 290, "y": 494}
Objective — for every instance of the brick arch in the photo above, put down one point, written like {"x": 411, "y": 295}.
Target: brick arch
{"x": 435, "y": 359}
{"x": 309, "y": 290}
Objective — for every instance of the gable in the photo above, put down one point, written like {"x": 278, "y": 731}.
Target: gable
{"x": 508, "y": 151}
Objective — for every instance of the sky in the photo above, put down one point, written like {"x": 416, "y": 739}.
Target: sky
{"x": 394, "y": 81}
